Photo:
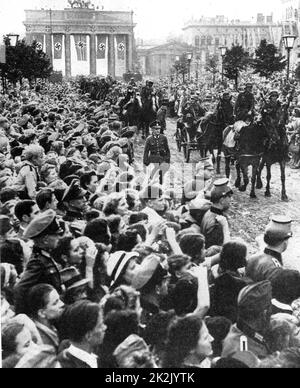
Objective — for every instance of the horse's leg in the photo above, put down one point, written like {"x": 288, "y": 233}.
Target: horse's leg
{"x": 284, "y": 196}
{"x": 244, "y": 168}
{"x": 219, "y": 157}
{"x": 238, "y": 173}
{"x": 253, "y": 180}
{"x": 259, "y": 184}
{"x": 227, "y": 166}
{"x": 269, "y": 176}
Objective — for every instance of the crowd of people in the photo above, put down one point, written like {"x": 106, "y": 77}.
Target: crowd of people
{"x": 103, "y": 267}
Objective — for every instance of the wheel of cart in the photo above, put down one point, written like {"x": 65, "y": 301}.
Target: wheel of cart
{"x": 189, "y": 145}
{"x": 178, "y": 139}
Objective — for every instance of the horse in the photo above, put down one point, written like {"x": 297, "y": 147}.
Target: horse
{"x": 211, "y": 137}
{"x": 244, "y": 143}
{"x": 149, "y": 113}
{"x": 276, "y": 152}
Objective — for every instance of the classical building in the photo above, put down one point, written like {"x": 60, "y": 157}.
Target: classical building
{"x": 207, "y": 35}
{"x": 82, "y": 40}
{"x": 291, "y": 23}
{"x": 158, "y": 61}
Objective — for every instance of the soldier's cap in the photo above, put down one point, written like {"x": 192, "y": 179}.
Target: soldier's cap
{"x": 155, "y": 125}
{"x": 128, "y": 132}
{"x": 117, "y": 262}
{"x": 42, "y": 225}
{"x": 71, "y": 278}
{"x": 221, "y": 189}
{"x": 279, "y": 228}
{"x": 274, "y": 93}
{"x": 150, "y": 268}
{"x": 5, "y": 225}
{"x": 256, "y": 297}
{"x": 126, "y": 353}
{"x": 74, "y": 192}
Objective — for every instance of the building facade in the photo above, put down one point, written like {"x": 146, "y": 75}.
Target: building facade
{"x": 158, "y": 61}
{"x": 207, "y": 35}
{"x": 291, "y": 23}
{"x": 84, "y": 41}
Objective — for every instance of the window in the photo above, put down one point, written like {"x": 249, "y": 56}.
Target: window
{"x": 197, "y": 41}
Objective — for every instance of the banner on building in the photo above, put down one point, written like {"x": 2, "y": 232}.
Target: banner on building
{"x": 58, "y": 46}
{"x": 102, "y": 46}
{"x": 81, "y": 47}
{"x": 121, "y": 47}
{"x": 40, "y": 41}
{"x": 2, "y": 53}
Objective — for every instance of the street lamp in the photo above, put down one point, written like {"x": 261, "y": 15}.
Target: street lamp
{"x": 289, "y": 41}
{"x": 223, "y": 50}
{"x": 189, "y": 57}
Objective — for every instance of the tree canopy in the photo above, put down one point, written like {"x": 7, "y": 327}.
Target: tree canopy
{"x": 182, "y": 66}
{"x": 25, "y": 61}
{"x": 268, "y": 60}
{"x": 235, "y": 60}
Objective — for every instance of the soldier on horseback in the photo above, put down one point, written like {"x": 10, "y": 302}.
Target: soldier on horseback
{"x": 245, "y": 103}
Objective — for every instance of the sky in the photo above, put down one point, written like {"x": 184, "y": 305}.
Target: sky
{"x": 156, "y": 19}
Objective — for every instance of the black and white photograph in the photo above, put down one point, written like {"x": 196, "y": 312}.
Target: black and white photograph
{"x": 150, "y": 187}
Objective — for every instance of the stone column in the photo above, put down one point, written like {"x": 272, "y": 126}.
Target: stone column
{"x": 68, "y": 55}
{"x": 111, "y": 55}
{"x": 129, "y": 52}
{"x": 93, "y": 55}
{"x": 49, "y": 47}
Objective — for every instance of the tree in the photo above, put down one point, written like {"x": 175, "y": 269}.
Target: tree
{"x": 25, "y": 61}
{"x": 182, "y": 66}
{"x": 297, "y": 73}
{"x": 235, "y": 60}
{"x": 212, "y": 66}
{"x": 268, "y": 60}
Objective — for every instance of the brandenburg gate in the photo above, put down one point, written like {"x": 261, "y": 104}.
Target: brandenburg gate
{"x": 84, "y": 41}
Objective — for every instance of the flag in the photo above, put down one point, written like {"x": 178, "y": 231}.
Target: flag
{"x": 2, "y": 53}
{"x": 39, "y": 38}
{"x": 101, "y": 46}
{"x": 121, "y": 47}
{"x": 58, "y": 46}
{"x": 81, "y": 47}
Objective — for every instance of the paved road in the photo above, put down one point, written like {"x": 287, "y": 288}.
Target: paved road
{"x": 248, "y": 217}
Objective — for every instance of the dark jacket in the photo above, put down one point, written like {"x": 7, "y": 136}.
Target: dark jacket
{"x": 157, "y": 150}
{"x": 40, "y": 269}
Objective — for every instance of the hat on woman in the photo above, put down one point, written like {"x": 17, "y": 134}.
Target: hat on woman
{"x": 116, "y": 264}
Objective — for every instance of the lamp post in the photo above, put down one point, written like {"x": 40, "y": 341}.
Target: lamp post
{"x": 289, "y": 41}
{"x": 189, "y": 57}
{"x": 223, "y": 50}
{"x": 10, "y": 40}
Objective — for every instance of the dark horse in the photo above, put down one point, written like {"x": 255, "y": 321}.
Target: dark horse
{"x": 211, "y": 137}
{"x": 276, "y": 152}
{"x": 251, "y": 142}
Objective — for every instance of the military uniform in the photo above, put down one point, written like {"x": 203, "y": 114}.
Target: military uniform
{"x": 41, "y": 268}
{"x": 156, "y": 150}
{"x": 225, "y": 112}
{"x": 243, "y": 337}
{"x": 264, "y": 266}
{"x": 245, "y": 103}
